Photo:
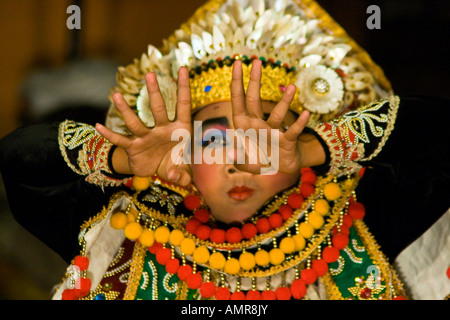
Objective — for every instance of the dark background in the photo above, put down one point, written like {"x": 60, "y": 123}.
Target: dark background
{"x": 45, "y": 65}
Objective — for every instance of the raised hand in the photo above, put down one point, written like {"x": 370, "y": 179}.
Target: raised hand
{"x": 248, "y": 113}
{"x": 148, "y": 150}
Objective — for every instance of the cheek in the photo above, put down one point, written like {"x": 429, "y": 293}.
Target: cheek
{"x": 272, "y": 184}
{"x": 205, "y": 177}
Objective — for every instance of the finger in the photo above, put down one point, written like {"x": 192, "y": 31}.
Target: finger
{"x": 114, "y": 138}
{"x": 184, "y": 96}
{"x": 157, "y": 104}
{"x": 297, "y": 127}
{"x": 132, "y": 121}
{"x": 181, "y": 175}
{"x": 253, "y": 95}
{"x": 278, "y": 113}
{"x": 237, "y": 91}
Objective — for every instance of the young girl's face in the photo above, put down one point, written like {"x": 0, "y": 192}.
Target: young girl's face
{"x": 233, "y": 195}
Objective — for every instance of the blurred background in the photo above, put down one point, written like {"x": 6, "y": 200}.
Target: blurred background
{"x": 50, "y": 72}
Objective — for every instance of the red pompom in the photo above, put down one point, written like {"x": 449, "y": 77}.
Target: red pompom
{"x": 268, "y": 295}
{"x": 340, "y": 241}
{"x": 362, "y": 171}
{"x": 81, "y": 262}
{"x": 233, "y": 235}
{"x": 330, "y": 254}
{"x": 275, "y": 220}
{"x": 320, "y": 267}
{"x": 448, "y": 272}
{"x": 283, "y": 293}
{"x": 285, "y": 211}
{"x": 203, "y": 232}
{"x": 309, "y": 275}
{"x": 184, "y": 272}
{"x": 82, "y": 287}
{"x": 295, "y": 200}
{"x": 399, "y": 298}
{"x": 344, "y": 230}
{"x": 217, "y": 235}
{"x": 192, "y": 225}
{"x": 347, "y": 220}
{"x": 191, "y": 202}
{"x": 194, "y": 280}
{"x": 305, "y": 170}
{"x": 155, "y": 247}
{"x": 253, "y": 295}
{"x": 356, "y": 210}
{"x": 298, "y": 289}
{"x": 238, "y": 295}
{"x": 263, "y": 225}
{"x": 163, "y": 255}
{"x": 306, "y": 189}
{"x": 202, "y": 215}
{"x": 207, "y": 289}
{"x": 223, "y": 293}
{"x": 172, "y": 265}
{"x": 249, "y": 231}
{"x": 69, "y": 294}
{"x": 309, "y": 177}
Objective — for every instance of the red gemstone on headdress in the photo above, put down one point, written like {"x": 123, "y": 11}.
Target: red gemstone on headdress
{"x": 282, "y": 88}
{"x": 365, "y": 293}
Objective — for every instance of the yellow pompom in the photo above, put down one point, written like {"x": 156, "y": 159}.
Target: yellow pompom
{"x": 131, "y": 217}
{"x": 322, "y": 207}
{"x": 232, "y": 266}
{"x": 118, "y": 220}
{"x": 247, "y": 260}
{"x": 276, "y": 256}
{"x": 201, "y": 254}
{"x": 140, "y": 183}
{"x": 217, "y": 260}
{"x": 133, "y": 230}
{"x": 187, "y": 246}
{"x": 300, "y": 242}
{"x": 306, "y": 229}
{"x": 332, "y": 191}
{"x": 287, "y": 245}
{"x": 176, "y": 236}
{"x": 316, "y": 220}
{"x": 162, "y": 234}
{"x": 262, "y": 258}
{"x": 147, "y": 238}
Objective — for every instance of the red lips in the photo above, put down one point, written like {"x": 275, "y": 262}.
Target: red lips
{"x": 240, "y": 193}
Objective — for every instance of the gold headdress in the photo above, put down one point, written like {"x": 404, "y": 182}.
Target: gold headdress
{"x": 297, "y": 41}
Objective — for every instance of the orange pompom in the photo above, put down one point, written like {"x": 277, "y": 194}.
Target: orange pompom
{"x": 285, "y": 211}
{"x": 309, "y": 275}
{"x": 320, "y": 267}
{"x": 233, "y": 235}
{"x": 202, "y": 215}
{"x": 340, "y": 241}
{"x": 207, "y": 289}
{"x": 268, "y": 295}
{"x": 217, "y": 235}
{"x": 163, "y": 255}
{"x": 295, "y": 200}
{"x": 308, "y": 177}
{"x": 238, "y": 295}
{"x": 194, "y": 280}
{"x": 191, "y": 202}
{"x": 203, "y": 232}
{"x": 249, "y": 231}
{"x": 223, "y": 293}
{"x": 81, "y": 262}
{"x": 356, "y": 210}
{"x": 330, "y": 254}
{"x": 192, "y": 225}
{"x": 253, "y": 295}
{"x": 184, "y": 272}
{"x": 306, "y": 189}
{"x": 275, "y": 220}
{"x": 283, "y": 293}
{"x": 263, "y": 225}
{"x": 298, "y": 289}
{"x": 172, "y": 265}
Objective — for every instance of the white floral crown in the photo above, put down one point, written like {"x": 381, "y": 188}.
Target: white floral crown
{"x": 297, "y": 41}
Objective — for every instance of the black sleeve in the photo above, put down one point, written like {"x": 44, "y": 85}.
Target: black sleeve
{"x": 406, "y": 187}
{"x": 44, "y": 194}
